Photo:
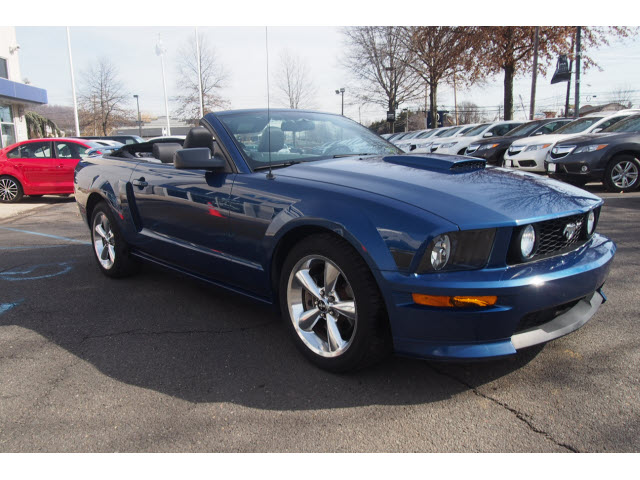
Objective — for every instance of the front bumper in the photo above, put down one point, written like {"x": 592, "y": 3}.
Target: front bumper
{"x": 532, "y": 161}
{"x": 588, "y": 166}
{"x": 537, "y": 302}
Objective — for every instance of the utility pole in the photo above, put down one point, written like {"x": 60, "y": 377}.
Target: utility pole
{"x": 73, "y": 86}
{"x": 426, "y": 108}
{"x": 340, "y": 91}
{"x": 139, "y": 119}
{"x": 566, "y": 103}
{"x": 532, "y": 108}
{"x": 160, "y": 51}
{"x": 578, "y": 54}
{"x": 199, "y": 75}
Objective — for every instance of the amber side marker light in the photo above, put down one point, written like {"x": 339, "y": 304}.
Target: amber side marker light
{"x": 457, "y": 301}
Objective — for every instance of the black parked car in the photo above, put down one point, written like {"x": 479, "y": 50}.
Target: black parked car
{"x": 611, "y": 156}
{"x": 493, "y": 149}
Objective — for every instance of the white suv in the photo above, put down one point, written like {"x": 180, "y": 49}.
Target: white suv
{"x": 529, "y": 153}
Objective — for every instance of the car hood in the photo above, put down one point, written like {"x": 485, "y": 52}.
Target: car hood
{"x": 541, "y": 139}
{"x": 596, "y": 138}
{"x": 459, "y": 189}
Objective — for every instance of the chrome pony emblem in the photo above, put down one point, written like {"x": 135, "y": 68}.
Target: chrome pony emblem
{"x": 570, "y": 230}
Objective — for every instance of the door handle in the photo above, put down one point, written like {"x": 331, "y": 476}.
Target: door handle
{"x": 140, "y": 182}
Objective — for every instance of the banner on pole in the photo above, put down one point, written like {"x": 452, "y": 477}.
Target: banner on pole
{"x": 562, "y": 73}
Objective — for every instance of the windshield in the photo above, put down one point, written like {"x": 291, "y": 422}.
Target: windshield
{"x": 476, "y": 131}
{"x": 297, "y": 136}
{"x": 450, "y": 132}
{"x": 631, "y": 124}
{"x": 523, "y": 130}
{"x": 577, "y": 126}
{"x": 427, "y": 134}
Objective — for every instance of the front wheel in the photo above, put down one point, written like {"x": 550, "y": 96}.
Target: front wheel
{"x": 10, "y": 190}
{"x": 622, "y": 174}
{"x": 109, "y": 246}
{"x": 332, "y": 305}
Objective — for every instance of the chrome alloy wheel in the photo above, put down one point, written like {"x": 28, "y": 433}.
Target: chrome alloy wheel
{"x": 8, "y": 189}
{"x": 624, "y": 174}
{"x": 322, "y": 306}
{"x": 104, "y": 241}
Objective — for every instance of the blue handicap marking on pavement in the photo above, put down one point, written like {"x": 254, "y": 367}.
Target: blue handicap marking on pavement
{"x": 36, "y": 272}
{"x": 5, "y": 307}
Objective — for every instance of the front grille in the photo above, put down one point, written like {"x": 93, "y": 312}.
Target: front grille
{"x": 535, "y": 319}
{"x": 471, "y": 148}
{"x": 558, "y": 155}
{"x": 553, "y": 237}
{"x": 527, "y": 163}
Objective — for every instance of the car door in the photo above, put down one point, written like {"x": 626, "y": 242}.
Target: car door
{"x": 66, "y": 156}
{"x": 183, "y": 216}
{"x": 33, "y": 161}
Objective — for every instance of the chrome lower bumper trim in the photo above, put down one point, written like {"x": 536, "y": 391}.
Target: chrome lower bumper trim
{"x": 561, "y": 325}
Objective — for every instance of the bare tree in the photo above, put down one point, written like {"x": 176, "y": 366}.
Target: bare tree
{"x": 378, "y": 59}
{"x": 437, "y": 53}
{"x": 510, "y": 50}
{"x": 293, "y": 81}
{"x": 622, "y": 94}
{"x": 468, "y": 112}
{"x": 213, "y": 78}
{"x": 103, "y": 99}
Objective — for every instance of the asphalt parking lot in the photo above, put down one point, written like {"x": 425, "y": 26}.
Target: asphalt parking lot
{"x": 159, "y": 362}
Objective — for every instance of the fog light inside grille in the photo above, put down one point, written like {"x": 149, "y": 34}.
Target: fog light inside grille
{"x": 584, "y": 168}
{"x": 456, "y": 301}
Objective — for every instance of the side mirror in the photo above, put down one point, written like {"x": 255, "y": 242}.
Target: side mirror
{"x": 596, "y": 130}
{"x": 487, "y": 135}
{"x": 197, "y": 159}
{"x": 538, "y": 133}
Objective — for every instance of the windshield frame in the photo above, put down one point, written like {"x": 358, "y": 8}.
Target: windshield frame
{"x": 254, "y": 165}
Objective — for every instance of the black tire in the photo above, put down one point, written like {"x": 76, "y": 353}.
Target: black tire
{"x": 370, "y": 337}
{"x": 618, "y": 164}
{"x": 118, "y": 263}
{"x": 10, "y": 190}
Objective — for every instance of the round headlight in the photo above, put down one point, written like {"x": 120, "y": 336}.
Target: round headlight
{"x": 591, "y": 222}
{"x": 440, "y": 252}
{"x": 527, "y": 241}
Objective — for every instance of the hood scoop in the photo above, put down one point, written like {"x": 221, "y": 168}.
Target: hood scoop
{"x": 436, "y": 162}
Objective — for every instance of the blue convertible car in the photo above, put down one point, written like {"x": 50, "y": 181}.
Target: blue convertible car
{"x": 364, "y": 249}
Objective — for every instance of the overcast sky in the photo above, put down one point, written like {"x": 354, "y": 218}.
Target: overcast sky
{"x": 44, "y": 61}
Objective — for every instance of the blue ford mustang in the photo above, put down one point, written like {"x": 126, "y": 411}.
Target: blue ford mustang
{"x": 364, "y": 249}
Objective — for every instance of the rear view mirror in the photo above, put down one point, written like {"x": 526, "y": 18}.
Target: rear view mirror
{"x": 487, "y": 135}
{"x": 198, "y": 159}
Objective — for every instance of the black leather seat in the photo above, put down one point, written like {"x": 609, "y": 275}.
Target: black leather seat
{"x": 165, "y": 151}
{"x": 199, "y": 137}
{"x": 274, "y": 144}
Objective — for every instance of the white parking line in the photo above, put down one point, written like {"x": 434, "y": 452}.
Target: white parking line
{"x": 84, "y": 242}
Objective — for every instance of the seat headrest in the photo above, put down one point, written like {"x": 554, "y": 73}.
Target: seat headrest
{"x": 276, "y": 143}
{"x": 164, "y": 151}
{"x": 199, "y": 137}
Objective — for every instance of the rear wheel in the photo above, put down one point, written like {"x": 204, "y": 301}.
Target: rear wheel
{"x": 10, "y": 190}
{"x": 110, "y": 249}
{"x": 332, "y": 305}
{"x": 622, "y": 174}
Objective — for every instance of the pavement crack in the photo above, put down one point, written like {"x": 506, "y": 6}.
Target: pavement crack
{"x": 174, "y": 332}
{"x": 519, "y": 415}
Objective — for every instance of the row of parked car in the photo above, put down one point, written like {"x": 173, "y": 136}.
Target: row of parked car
{"x": 598, "y": 147}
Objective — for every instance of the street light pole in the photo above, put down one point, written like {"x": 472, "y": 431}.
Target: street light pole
{"x": 577, "y": 89}
{"x": 73, "y": 87}
{"x": 199, "y": 74}
{"x": 341, "y": 92}
{"x": 160, "y": 51}
{"x": 139, "y": 119}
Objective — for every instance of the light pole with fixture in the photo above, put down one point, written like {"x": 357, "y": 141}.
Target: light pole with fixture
{"x": 139, "y": 119}
{"x": 341, "y": 92}
{"x": 160, "y": 51}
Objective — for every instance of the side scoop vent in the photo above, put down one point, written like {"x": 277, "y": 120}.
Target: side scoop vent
{"x": 437, "y": 162}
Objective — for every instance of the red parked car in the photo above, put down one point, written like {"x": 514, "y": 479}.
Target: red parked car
{"x": 41, "y": 166}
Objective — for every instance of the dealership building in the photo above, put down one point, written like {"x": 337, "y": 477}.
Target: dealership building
{"x": 16, "y": 97}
